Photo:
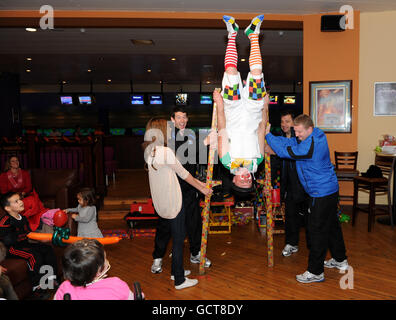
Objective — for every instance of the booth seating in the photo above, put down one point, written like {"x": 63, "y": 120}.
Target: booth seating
{"x": 57, "y": 188}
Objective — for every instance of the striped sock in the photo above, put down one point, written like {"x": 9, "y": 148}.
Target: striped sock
{"x": 255, "y": 61}
{"x": 231, "y": 56}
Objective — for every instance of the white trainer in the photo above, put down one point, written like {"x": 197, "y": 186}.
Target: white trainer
{"x": 157, "y": 266}
{"x": 289, "y": 249}
{"x": 308, "y": 277}
{"x": 187, "y": 283}
{"x": 332, "y": 263}
{"x": 197, "y": 259}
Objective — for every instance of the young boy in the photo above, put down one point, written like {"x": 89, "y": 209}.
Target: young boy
{"x": 240, "y": 109}
{"x": 13, "y": 233}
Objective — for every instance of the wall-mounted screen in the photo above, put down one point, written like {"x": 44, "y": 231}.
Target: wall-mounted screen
{"x": 68, "y": 100}
{"x": 181, "y": 99}
{"x": 137, "y": 99}
{"x": 289, "y": 99}
{"x": 273, "y": 99}
{"x": 85, "y": 99}
{"x": 155, "y": 99}
{"x": 206, "y": 99}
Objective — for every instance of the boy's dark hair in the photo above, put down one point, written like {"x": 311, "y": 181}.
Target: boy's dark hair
{"x": 178, "y": 109}
{"x": 82, "y": 260}
{"x": 5, "y": 199}
{"x": 88, "y": 195}
{"x": 287, "y": 112}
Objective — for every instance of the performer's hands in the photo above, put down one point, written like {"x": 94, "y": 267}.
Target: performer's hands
{"x": 266, "y": 100}
{"x": 267, "y": 149}
{"x": 268, "y": 128}
{"x": 217, "y": 97}
{"x": 211, "y": 139}
{"x": 202, "y": 188}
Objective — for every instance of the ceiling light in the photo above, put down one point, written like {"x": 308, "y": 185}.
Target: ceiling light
{"x": 31, "y": 29}
{"x": 29, "y": 59}
{"x": 28, "y": 70}
{"x": 243, "y": 59}
{"x": 173, "y": 59}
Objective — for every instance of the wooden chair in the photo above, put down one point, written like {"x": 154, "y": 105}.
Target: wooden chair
{"x": 345, "y": 166}
{"x": 375, "y": 186}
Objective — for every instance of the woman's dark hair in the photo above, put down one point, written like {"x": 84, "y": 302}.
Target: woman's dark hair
{"x": 82, "y": 260}
{"x": 88, "y": 195}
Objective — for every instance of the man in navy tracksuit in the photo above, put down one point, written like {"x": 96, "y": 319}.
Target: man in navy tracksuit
{"x": 316, "y": 174}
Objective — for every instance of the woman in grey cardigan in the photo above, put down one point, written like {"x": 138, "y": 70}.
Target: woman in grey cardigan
{"x": 86, "y": 215}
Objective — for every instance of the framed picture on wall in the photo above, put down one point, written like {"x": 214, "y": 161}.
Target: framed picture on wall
{"x": 385, "y": 99}
{"x": 330, "y": 105}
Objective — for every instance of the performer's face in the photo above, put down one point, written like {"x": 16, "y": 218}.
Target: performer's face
{"x": 301, "y": 132}
{"x": 242, "y": 178}
{"x": 180, "y": 120}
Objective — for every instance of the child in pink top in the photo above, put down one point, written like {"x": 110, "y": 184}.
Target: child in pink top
{"x": 84, "y": 268}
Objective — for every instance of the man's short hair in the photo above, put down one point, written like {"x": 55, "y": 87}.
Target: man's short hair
{"x": 284, "y": 113}
{"x": 5, "y": 199}
{"x": 304, "y": 120}
{"x": 178, "y": 109}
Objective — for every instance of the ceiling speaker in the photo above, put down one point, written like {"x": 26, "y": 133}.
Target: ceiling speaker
{"x": 332, "y": 23}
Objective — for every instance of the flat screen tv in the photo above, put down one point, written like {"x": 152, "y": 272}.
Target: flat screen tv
{"x": 137, "y": 99}
{"x": 155, "y": 99}
{"x": 273, "y": 99}
{"x": 206, "y": 99}
{"x": 67, "y": 100}
{"x": 181, "y": 99}
{"x": 289, "y": 99}
{"x": 85, "y": 99}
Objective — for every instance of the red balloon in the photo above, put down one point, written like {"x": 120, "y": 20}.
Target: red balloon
{"x": 60, "y": 218}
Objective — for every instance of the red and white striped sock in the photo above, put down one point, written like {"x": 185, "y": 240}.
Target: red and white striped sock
{"x": 231, "y": 56}
{"x": 255, "y": 61}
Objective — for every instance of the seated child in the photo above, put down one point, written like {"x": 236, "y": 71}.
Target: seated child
{"x": 13, "y": 233}
{"x": 86, "y": 215}
{"x": 6, "y": 288}
{"x": 241, "y": 116}
{"x": 84, "y": 268}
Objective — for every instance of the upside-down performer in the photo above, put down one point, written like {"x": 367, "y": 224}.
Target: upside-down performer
{"x": 241, "y": 118}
